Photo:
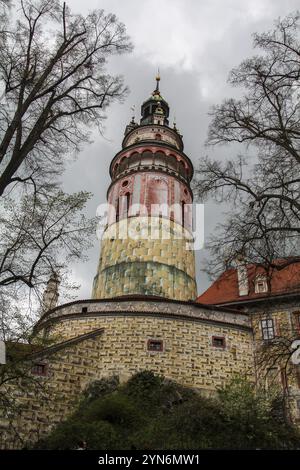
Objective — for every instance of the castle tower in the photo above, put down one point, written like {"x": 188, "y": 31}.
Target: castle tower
{"x": 51, "y": 295}
{"x": 146, "y": 247}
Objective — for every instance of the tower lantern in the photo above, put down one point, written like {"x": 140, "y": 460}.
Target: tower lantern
{"x": 146, "y": 247}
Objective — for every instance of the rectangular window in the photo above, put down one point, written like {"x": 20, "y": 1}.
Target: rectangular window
{"x": 283, "y": 377}
{"x": 298, "y": 375}
{"x": 84, "y": 309}
{"x": 155, "y": 345}
{"x": 39, "y": 369}
{"x": 296, "y": 321}
{"x": 267, "y": 329}
{"x": 218, "y": 342}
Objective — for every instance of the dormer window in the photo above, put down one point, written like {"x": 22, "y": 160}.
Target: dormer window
{"x": 261, "y": 285}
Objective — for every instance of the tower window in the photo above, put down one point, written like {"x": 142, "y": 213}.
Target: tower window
{"x": 183, "y": 213}
{"x": 125, "y": 183}
{"x": 157, "y": 137}
{"x": 123, "y": 164}
{"x": 155, "y": 345}
{"x": 182, "y": 169}
{"x": 218, "y": 342}
{"x": 127, "y": 195}
{"x": 267, "y": 329}
{"x": 118, "y": 210}
{"x": 84, "y": 310}
{"x": 39, "y": 369}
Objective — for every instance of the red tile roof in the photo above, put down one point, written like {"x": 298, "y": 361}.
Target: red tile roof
{"x": 225, "y": 288}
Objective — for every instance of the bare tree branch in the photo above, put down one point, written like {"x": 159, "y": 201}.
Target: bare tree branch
{"x": 263, "y": 190}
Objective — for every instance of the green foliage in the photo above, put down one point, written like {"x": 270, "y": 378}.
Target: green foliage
{"x": 69, "y": 435}
{"x": 256, "y": 418}
{"x": 151, "y": 412}
{"x": 100, "y": 388}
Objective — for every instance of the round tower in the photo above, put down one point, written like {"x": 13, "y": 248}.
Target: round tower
{"x": 146, "y": 247}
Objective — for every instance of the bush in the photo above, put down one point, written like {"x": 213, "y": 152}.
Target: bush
{"x": 151, "y": 412}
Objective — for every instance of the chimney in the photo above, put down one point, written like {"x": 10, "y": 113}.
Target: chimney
{"x": 242, "y": 275}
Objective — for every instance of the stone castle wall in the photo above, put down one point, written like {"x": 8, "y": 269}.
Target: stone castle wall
{"x": 111, "y": 338}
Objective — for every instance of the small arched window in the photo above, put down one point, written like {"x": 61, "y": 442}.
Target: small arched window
{"x": 182, "y": 169}
{"x": 157, "y": 137}
{"x": 134, "y": 160}
{"x": 172, "y": 162}
{"x": 147, "y": 158}
{"x": 160, "y": 159}
{"x": 123, "y": 164}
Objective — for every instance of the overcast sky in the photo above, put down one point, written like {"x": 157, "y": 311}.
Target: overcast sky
{"x": 195, "y": 43}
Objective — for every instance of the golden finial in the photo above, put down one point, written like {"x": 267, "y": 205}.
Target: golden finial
{"x": 157, "y": 78}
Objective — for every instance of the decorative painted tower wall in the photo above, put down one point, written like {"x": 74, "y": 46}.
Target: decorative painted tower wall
{"x": 146, "y": 247}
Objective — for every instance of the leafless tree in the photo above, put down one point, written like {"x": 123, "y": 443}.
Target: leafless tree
{"x": 262, "y": 190}
{"x": 54, "y": 88}
{"x": 54, "y": 84}
{"x": 40, "y": 236}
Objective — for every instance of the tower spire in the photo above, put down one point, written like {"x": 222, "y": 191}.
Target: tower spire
{"x": 157, "y": 78}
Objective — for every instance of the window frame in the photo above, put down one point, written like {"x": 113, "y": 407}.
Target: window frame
{"x": 267, "y": 328}
{"x": 39, "y": 364}
{"x": 217, "y": 338}
{"x": 153, "y": 340}
{"x": 296, "y": 321}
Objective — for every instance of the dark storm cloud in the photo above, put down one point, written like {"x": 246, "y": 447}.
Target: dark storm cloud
{"x": 195, "y": 44}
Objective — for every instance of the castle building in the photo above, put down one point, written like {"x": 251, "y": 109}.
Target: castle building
{"x": 144, "y": 312}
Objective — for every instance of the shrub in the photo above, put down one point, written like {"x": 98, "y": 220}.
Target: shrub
{"x": 151, "y": 412}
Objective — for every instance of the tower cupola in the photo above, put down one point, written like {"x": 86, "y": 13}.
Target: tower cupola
{"x": 155, "y": 106}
